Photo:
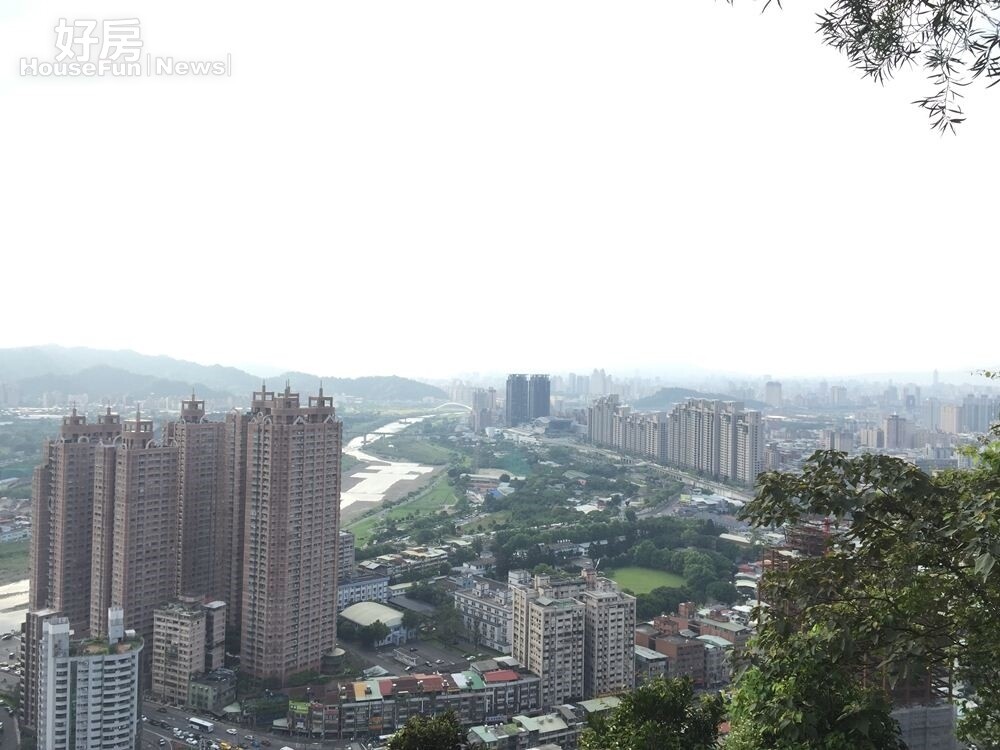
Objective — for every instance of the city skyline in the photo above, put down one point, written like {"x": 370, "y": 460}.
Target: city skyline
{"x": 678, "y": 373}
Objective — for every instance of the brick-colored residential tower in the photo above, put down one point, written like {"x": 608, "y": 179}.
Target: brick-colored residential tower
{"x": 202, "y": 510}
{"x": 62, "y": 503}
{"x": 229, "y": 546}
{"x": 135, "y": 531}
{"x": 291, "y": 526}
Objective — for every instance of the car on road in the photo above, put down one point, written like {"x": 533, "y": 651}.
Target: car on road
{"x": 231, "y": 731}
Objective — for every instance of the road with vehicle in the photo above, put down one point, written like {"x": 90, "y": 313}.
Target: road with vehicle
{"x": 236, "y": 735}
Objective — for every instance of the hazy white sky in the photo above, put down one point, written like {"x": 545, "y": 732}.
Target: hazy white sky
{"x": 428, "y": 187}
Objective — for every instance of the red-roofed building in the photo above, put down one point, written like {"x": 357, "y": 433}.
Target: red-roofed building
{"x": 433, "y": 683}
{"x": 501, "y": 675}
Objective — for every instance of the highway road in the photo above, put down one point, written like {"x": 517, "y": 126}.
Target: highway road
{"x": 178, "y": 718}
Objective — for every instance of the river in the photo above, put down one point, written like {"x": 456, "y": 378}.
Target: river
{"x": 378, "y": 476}
{"x": 13, "y": 605}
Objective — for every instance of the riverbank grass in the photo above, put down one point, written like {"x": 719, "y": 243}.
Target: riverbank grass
{"x": 416, "y": 449}
{"x": 436, "y": 497}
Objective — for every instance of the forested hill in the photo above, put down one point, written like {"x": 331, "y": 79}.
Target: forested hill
{"x": 31, "y": 372}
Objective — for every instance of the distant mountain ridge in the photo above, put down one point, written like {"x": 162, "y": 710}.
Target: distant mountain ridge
{"x": 665, "y": 398}
{"x": 112, "y": 374}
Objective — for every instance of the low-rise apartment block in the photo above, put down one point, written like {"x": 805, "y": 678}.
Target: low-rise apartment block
{"x": 362, "y": 588}
{"x": 382, "y": 706}
{"x": 649, "y": 664}
{"x": 697, "y": 643}
{"x": 557, "y": 730}
{"x": 211, "y": 692}
{"x": 414, "y": 558}
{"x": 189, "y": 639}
{"x": 487, "y": 611}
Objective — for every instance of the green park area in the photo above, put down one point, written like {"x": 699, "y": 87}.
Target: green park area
{"x": 514, "y": 461}
{"x": 433, "y": 498}
{"x": 489, "y": 522}
{"x": 643, "y": 580}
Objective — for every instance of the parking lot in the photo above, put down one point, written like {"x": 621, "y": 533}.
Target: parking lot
{"x": 10, "y": 669}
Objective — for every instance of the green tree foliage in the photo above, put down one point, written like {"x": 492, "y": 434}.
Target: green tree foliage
{"x": 377, "y": 632}
{"x": 802, "y": 693}
{"x": 449, "y": 625}
{"x": 907, "y": 588}
{"x": 661, "y": 714}
{"x": 660, "y": 600}
{"x": 440, "y": 732}
{"x": 722, "y": 592}
{"x": 425, "y": 592}
{"x": 411, "y": 620}
{"x": 955, "y": 41}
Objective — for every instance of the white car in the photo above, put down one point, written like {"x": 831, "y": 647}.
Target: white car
{"x": 231, "y": 731}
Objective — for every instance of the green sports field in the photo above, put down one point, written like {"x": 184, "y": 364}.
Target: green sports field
{"x": 643, "y": 580}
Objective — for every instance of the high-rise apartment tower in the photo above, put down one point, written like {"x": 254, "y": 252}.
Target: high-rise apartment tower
{"x": 539, "y": 396}
{"x": 291, "y": 526}
{"x": 134, "y": 563}
{"x": 202, "y": 514}
{"x": 516, "y": 406}
{"x": 62, "y": 505}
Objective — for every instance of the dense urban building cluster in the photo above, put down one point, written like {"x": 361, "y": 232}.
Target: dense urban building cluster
{"x": 715, "y": 439}
{"x": 150, "y": 544}
{"x": 497, "y": 700}
{"x": 767, "y": 425}
{"x": 572, "y": 646}
{"x": 230, "y": 523}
